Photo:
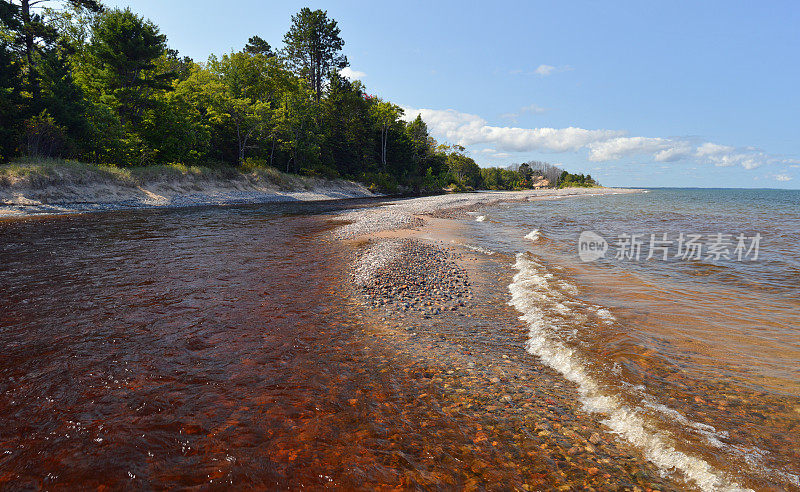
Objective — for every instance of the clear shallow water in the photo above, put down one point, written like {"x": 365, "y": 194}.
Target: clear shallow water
{"x": 224, "y": 347}
{"x": 702, "y": 356}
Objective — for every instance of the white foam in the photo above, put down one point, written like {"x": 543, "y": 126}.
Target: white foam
{"x": 530, "y": 294}
{"x": 480, "y": 218}
{"x": 533, "y": 235}
{"x": 485, "y": 251}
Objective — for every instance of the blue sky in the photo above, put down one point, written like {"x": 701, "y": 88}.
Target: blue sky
{"x": 636, "y": 93}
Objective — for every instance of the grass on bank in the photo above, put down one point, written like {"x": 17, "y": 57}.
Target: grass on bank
{"x": 40, "y": 173}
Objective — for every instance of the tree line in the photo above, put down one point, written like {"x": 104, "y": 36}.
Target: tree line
{"x": 84, "y": 82}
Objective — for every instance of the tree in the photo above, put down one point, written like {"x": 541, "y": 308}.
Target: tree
{"x": 421, "y": 142}
{"x": 63, "y": 99}
{"x": 525, "y": 172}
{"x": 125, "y": 49}
{"x": 246, "y": 89}
{"x": 385, "y": 115}
{"x": 295, "y": 120}
{"x": 348, "y": 132}
{"x": 463, "y": 168}
{"x": 10, "y": 101}
{"x": 313, "y": 47}
{"x": 257, "y": 46}
{"x": 33, "y": 33}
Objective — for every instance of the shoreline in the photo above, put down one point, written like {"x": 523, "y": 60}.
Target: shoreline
{"x": 436, "y": 300}
{"x": 412, "y": 213}
{"x": 20, "y": 202}
{"x": 67, "y": 187}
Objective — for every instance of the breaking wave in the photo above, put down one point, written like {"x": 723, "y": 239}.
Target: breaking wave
{"x": 534, "y": 235}
{"x": 539, "y": 296}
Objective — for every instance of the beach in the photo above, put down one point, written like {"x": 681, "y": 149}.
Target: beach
{"x": 433, "y": 342}
{"x": 66, "y": 187}
{"x": 422, "y": 269}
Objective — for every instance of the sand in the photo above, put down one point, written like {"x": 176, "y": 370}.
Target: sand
{"x": 93, "y": 196}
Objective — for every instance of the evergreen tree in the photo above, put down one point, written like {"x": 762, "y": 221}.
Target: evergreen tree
{"x": 257, "y": 46}
{"x": 32, "y": 34}
{"x": 10, "y": 102}
{"x": 313, "y": 47}
{"x": 125, "y": 49}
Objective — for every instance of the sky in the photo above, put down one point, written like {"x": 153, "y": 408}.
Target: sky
{"x": 660, "y": 93}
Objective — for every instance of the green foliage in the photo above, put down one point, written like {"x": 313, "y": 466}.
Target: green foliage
{"x": 380, "y": 182}
{"x": 43, "y": 136}
{"x": 124, "y": 52}
{"x": 257, "y": 46}
{"x": 464, "y": 170}
{"x": 312, "y": 47}
{"x": 104, "y": 87}
{"x": 567, "y": 180}
{"x": 10, "y": 103}
{"x": 495, "y": 178}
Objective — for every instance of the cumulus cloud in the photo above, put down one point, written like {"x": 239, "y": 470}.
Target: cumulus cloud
{"x": 469, "y": 129}
{"x": 677, "y": 149}
{"x": 726, "y": 156}
{"x": 602, "y": 145}
{"x": 351, "y": 74}
{"x": 662, "y": 149}
{"x": 782, "y": 177}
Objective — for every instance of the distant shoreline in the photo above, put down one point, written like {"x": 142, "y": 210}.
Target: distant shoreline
{"x": 65, "y": 187}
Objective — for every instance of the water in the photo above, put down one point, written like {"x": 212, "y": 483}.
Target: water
{"x": 696, "y": 362}
{"x": 180, "y": 348}
{"x": 225, "y": 346}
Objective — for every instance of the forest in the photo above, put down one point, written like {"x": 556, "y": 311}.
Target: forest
{"x": 84, "y": 82}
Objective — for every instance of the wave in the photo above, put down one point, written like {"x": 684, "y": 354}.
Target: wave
{"x": 534, "y": 235}
{"x": 535, "y": 294}
{"x": 485, "y": 251}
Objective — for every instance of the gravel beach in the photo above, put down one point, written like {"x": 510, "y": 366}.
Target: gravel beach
{"x": 440, "y": 309}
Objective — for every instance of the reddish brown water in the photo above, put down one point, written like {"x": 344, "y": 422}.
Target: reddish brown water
{"x": 170, "y": 348}
{"x": 222, "y": 347}
{"x": 705, "y": 352}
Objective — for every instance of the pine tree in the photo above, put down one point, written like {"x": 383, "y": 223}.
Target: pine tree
{"x": 33, "y": 34}
{"x": 313, "y": 47}
{"x": 257, "y": 46}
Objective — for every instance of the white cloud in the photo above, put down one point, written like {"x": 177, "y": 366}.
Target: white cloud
{"x": 602, "y": 145}
{"x": 351, "y": 74}
{"x": 782, "y": 177}
{"x": 469, "y": 129}
{"x": 546, "y": 70}
{"x": 726, "y": 156}
{"x": 662, "y": 149}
